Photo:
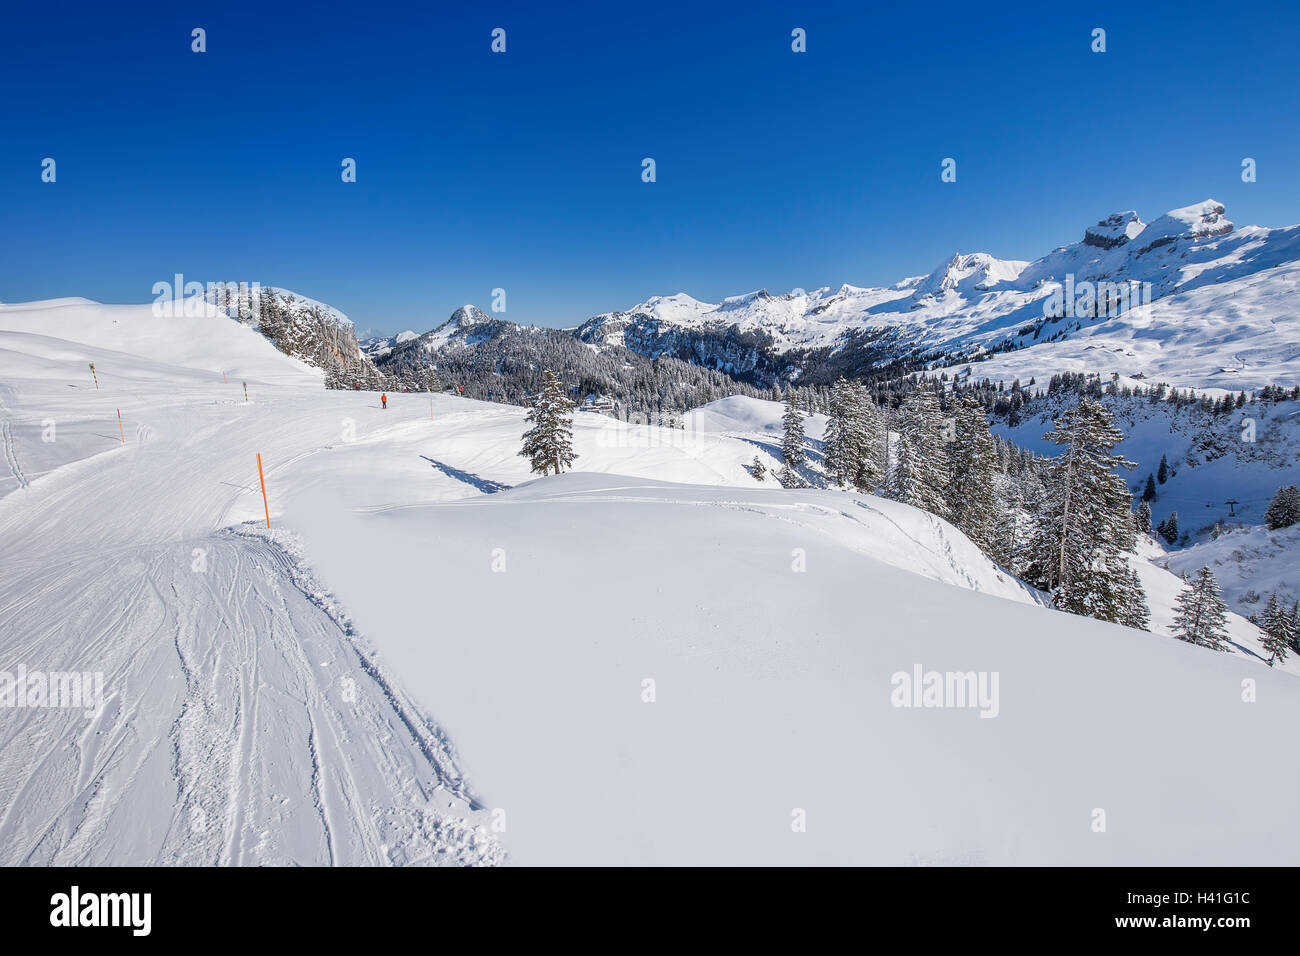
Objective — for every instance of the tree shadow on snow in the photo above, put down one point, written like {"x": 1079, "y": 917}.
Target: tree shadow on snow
{"x": 485, "y": 485}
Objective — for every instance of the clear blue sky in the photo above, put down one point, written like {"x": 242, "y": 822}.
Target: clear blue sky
{"x": 523, "y": 170}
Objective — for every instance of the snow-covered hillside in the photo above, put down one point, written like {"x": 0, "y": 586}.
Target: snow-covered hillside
{"x": 1250, "y": 563}
{"x": 1242, "y": 457}
{"x": 742, "y": 415}
{"x": 433, "y": 657}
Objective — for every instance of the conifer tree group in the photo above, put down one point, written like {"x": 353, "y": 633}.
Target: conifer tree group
{"x": 971, "y": 493}
{"x": 853, "y": 438}
{"x": 920, "y": 472}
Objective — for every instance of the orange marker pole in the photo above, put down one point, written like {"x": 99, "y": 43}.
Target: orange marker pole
{"x": 119, "y": 426}
{"x": 263, "y": 481}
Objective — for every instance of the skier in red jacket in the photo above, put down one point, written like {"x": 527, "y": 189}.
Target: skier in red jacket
{"x": 384, "y": 398}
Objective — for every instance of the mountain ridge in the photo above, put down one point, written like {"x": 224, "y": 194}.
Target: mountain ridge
{"x": 970, "y": 307}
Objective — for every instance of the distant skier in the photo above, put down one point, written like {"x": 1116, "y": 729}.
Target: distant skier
{"x": 384, "y": 398}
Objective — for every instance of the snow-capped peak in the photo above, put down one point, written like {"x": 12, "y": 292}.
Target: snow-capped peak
{"x": 733, "y": 302}
{"x": 1198, "y": 221}
{"x": 974, "y": 272}
{"x": 678, "y": 307}
{"x": 468, "y": 315}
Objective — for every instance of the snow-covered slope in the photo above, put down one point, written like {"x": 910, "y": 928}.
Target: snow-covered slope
{"x": 1242, "y": 457}
{"x": 740, "y": 414}
{"x": 435, "y": 658}
{"x": 1250, "y": 563}
{"x": 206, "y": 342}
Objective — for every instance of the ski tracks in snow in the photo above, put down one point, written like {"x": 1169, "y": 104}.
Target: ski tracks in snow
{"x": 10, "y": 452}
{"x": 244, "y": 722}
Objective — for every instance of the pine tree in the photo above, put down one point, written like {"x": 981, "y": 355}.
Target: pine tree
{"x": 971, "y": 495}
{"x": 1142, "y": 519}
{"x": 1162, "y": 473}
{"x": 759, "y": 469}
{"x": 1169, "y": 529}
{"x": 1086, "y": 533}
{"x": 921, "y": 468}
{"x": 549, "y": 443}
{"x": 1200, "y": 615}
{"x": 1136, "y": 612}
{"x": 792, "y": 448}
{"x": 1284, "y": 510}
{"x": 1149, "y": 492}
{"x": 1278, "y": 633}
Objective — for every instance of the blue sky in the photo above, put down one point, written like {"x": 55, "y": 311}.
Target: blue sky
{"x": 522, "y": 170}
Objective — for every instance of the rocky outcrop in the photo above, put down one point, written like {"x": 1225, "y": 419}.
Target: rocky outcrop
{"x": 1202, "y": 220}
{"x": 302, "y": 328}
{"x": 1115, "y": 230}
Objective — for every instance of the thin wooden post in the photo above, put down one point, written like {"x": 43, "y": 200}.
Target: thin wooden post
{"x": 262, "y": 479}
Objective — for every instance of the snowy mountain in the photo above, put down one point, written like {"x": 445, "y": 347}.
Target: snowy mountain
{"x": 378, "y": 346}
{"x": 1187, "y": 297}
{"x": 1210, "y": 284}
{"x": 487, "y": 357}
{"x": 431, "y": 656}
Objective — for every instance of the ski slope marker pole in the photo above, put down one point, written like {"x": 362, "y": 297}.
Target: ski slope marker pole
{"x": 263, "y": 481}
{"x": 245, "y": 391}
{"x": 94, "y": 376}
{"x": 119, "y": 426}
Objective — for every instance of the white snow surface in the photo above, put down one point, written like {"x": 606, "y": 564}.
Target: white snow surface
{"x": 744, "y": 415}
{"x": 434, "y": 657}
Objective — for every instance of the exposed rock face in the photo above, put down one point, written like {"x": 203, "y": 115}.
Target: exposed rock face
{"x": 1115, "y": 230}
{"x": 302, "y": 328}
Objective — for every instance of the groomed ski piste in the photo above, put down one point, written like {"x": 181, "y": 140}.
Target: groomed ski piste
{"x": 434, "y": 657}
